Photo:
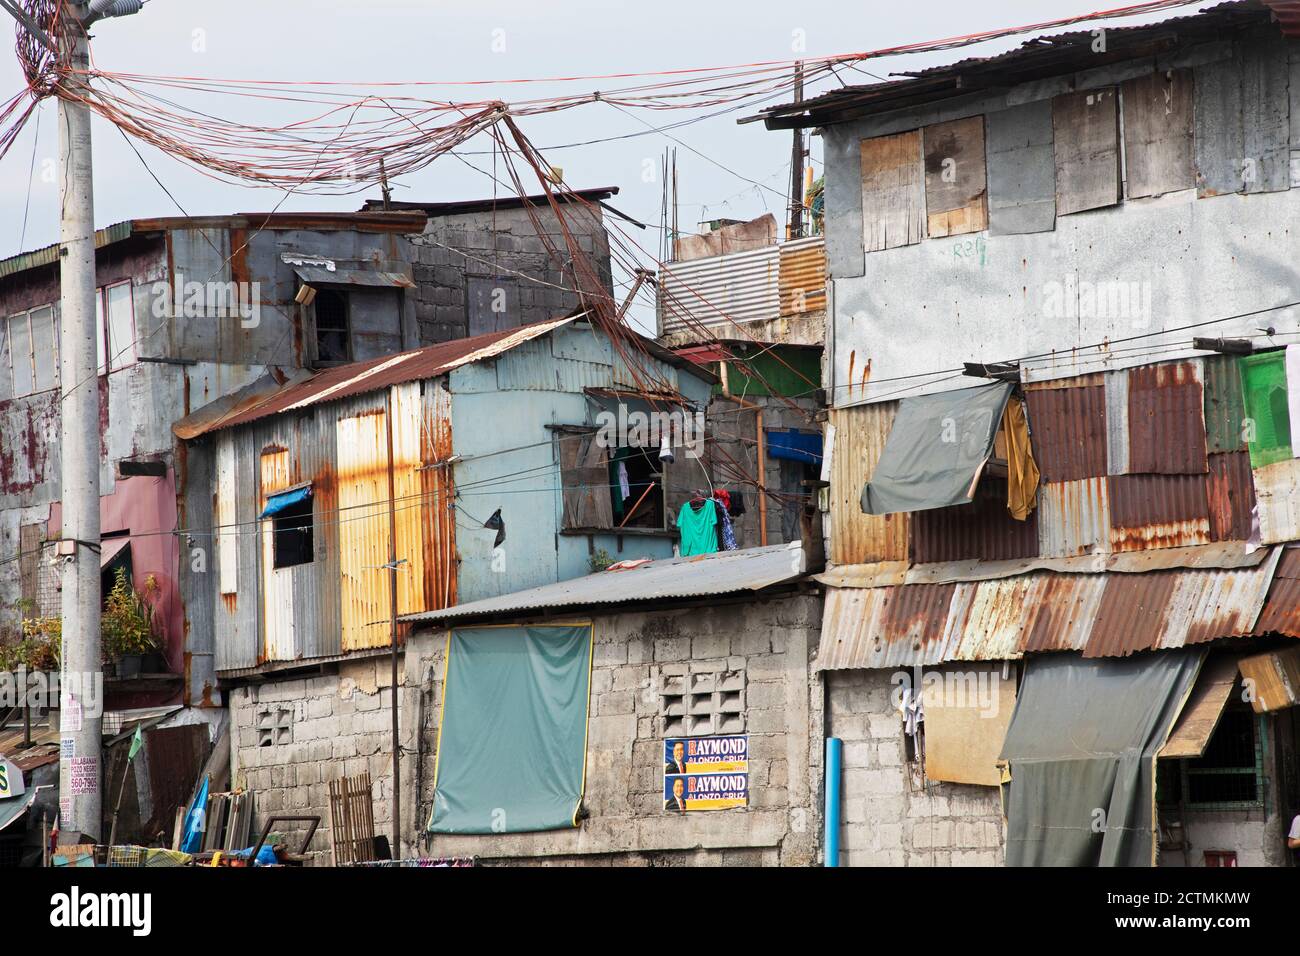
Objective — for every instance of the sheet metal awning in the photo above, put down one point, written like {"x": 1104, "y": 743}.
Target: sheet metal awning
{"x": 1196, "y": 724}
{"x": 277, "y": 503}
{"x": 323, "y": 277}
{"x": 1100, "y": 615}
{"x": 936, "y": 450}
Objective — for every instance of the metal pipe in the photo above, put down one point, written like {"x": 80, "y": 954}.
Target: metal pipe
{"x": 831, "y": 843}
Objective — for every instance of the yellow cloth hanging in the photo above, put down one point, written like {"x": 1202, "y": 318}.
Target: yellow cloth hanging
{"x": 1022, "y": 472}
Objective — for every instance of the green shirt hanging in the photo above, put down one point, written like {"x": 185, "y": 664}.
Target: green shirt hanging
{"x": 699, "y": 529}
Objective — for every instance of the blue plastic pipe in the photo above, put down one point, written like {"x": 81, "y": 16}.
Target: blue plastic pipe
{"x": 834, "y": 747}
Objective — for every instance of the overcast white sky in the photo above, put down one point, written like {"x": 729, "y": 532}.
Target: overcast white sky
{"x": 395, "y": 40}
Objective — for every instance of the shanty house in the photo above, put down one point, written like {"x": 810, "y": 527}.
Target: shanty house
{"x": 482, "y": 466}
{"x": 1060, "y": 614}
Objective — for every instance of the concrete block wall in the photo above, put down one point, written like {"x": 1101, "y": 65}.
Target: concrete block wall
{"x": 771, "y": 641}
{"x": 885, "y": 821}
{"x": 502, "y": 243}
{"x": 341, "y": 726}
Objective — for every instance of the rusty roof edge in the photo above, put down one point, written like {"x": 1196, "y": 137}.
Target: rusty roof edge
{"x": 210, "y": 417}
{"x": 49, "y": 255}
{"x": 1227, "y": 555}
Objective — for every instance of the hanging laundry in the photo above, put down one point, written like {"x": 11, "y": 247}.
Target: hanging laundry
{"x": 737, "y": 504}
{"x": 623, "y": 487}
{"x": 1022, "y": 471}
{"x": 724, "y": 496}
{"x": 726, "y": 533}
{"x": 666, "y": 449}
{"x": 697, "y": 522}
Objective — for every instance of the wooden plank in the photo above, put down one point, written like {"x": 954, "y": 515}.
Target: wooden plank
{"x": 956, "y": 178}
{"x": 1021, "y": 170}
{"x": 966, "y": 719}
{"x": 1158, "y": 133}
{"x": 1085, "y": 129}
{"x": 1272, "y": 680}
{"x": 893, "y": 200}
{"x": 1203, "y": 709}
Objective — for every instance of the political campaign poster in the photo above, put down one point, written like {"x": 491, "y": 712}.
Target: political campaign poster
{"x": 706, "y": 773}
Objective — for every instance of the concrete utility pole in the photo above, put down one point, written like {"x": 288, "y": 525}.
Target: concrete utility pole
{"x": 80, "y": 808}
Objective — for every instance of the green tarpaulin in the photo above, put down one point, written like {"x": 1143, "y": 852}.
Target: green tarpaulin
{"x": 1082, "y": 748}
{"x": 1268, "y": 421}
{"x": 512, "y": 743}
{"x": 936, "y": 450}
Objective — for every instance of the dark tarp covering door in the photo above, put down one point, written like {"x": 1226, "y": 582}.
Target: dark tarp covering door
{"x": 936, "y": 450}
{"x": 512, "y": 745}
{"x": 1082, "y": 751}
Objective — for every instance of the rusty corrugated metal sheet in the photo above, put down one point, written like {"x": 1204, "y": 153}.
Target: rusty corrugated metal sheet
{"x": 1225, "y": 412}
{"x": 362, "y": 477}
{"x": 375, "y": 375}
{"x": 884, "y": 627}
{"x": 1067, "y": 607}
{"x": 1287, "y": 13}
{"x": 1230, "y": 488}
{"x": 1103, "y": 615}
{"x": 1073, "y": 517}
{"x": 1166, "y": 419}
{"x": 802, "y": 281}
{"x": 1277, "y": 496}
{"x": 1068, "y": 431}
{"x": 983, "y": 529}
{"x": 857, "y": 538}
{"x": 425, "y": 524}
{"x": 1281, "y": 612}
{"x": 278, "y": 642}
{"x": 1158, "y": 511}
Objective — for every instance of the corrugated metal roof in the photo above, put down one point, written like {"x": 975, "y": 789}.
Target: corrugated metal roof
{"x": 1277, "y": 494}
{"x": 1225, "y": 412}
{"x": 457, "y": 207}
{"x": 374, "y": 375}
{"x": 858, "y": 538}
{"x": 1103, "y": 615}
{"x": 49, "y": 255}
{"x": 1036, "y": 58}
{"x": 1073, "y": 517}
{"x": 727, "y": 572}
{"x": 1281, "y": 612}
{"x": 1068, "y": 431}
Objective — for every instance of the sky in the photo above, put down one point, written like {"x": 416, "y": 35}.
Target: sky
{"x": 719, "y": 162}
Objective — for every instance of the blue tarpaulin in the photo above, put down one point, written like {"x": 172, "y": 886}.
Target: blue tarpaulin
{"x": 794, "y": 445}
{"x": 285, "y": 499}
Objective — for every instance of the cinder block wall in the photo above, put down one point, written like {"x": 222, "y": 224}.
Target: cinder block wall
{"x": 885, "y": 822}
{"x": 341, "y": 725}
{"x": 504, "y": 243}
{"x": 770, "y": 642}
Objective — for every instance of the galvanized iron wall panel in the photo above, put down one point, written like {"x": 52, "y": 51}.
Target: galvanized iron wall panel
{"x": 1073, "y": 518}
{"x": 1277, "y": 494}
{"x": 741, "y": 287}
{"x": 1067, "y": 607}
{"x": 1068, "y": 431}
{"x": 1230, "y": 488}
{"x": 983, "y": 529}
{"x": 802, "y": 280}
{"x": 1158, "y": 511}
{"x": 1225, "y": 412}
{"x": 1242, "y": 121}
{"x": 857, "y": 538}
{"x": 1166, "y": 419}
{"x": 884, "y": 627}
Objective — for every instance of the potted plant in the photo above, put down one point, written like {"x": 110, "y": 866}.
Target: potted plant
{"x": 128, "y": 631}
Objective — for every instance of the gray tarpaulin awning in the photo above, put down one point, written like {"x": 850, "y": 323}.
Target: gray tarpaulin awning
{"x": 1082, "y": 751}
{"x": 936, "y": 450}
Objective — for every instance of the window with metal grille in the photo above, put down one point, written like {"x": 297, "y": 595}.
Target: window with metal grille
{"x": 294, "y": 540}
{"x": 333, "y": 328}
{"x": 1229, "y": 776}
